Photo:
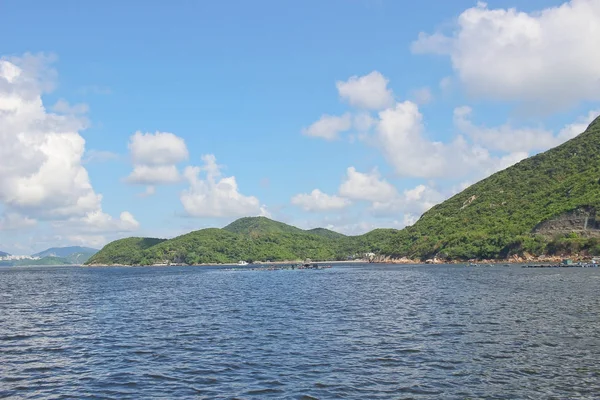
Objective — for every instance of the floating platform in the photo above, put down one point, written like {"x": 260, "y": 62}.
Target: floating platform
{"x": 280, "y": 267}
{"x": 574, "y": 265}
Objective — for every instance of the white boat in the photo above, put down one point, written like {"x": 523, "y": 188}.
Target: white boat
{"x": 242, "y": 263}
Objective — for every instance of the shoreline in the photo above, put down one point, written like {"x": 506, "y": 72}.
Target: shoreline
{"x": 378, "y": 260}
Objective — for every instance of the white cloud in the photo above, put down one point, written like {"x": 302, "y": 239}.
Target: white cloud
{"x": 93, "y": 241}
{"x": 98, "y": 222}
{"x": 368, "y": 91}
{"x": 518, "y": 140}
{"x": 400, "y": 138}
{"x": 41, "y": 174}
{"x": 357, "y": 226}
{"x": 153, "y": 175}
{"x": 577, "y": 127}
{"x": 363, "y": 122}
{"x": 548, "y": 57}
{"x": 216, "y": 196}
{"x": 14, "y": 221}
{"x": 63, "y": 107}
{"x": 366, "y": 186}
{"x": 422, "y": 95}
{"x": 319, "y": 201}
{"x": 160, "y": 148}
{"x": 412, "y": 202}
{"x": 155, "y": 156}
{"x": 329, "y": 126}
{"x": 505, "y": 137}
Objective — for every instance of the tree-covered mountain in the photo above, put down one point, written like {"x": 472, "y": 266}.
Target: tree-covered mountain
{"x": 248, "y": 239}
{"x": 519, "y": 209}
{"x": 546, "y": 204}
{"x": 3, "y": 254}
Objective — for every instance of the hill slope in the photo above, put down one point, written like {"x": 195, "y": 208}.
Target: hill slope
{"x": 3, "y": 254}
{"x": 503, "y": 213}
{"x": 126, "y": 251}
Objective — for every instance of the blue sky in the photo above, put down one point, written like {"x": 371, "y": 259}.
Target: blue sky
{"x": 419, "y": 100}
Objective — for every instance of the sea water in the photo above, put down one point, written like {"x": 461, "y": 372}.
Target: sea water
{"x": 352, "y": 332}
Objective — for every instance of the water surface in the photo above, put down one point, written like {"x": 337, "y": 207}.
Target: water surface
{"x": 351, "y": 332}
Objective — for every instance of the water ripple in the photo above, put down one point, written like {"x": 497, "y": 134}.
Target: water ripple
{"x": 359, "y": 331}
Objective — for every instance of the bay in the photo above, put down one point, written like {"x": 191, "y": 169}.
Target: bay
{"x": 351, "y": 332}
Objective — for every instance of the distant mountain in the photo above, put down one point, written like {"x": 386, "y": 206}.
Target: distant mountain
{"x": 65, "y": 251}
{"x": 3, "y": 254}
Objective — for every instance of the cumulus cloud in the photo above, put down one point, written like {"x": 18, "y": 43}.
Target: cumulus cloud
{"x": 319, "y": 201}
{"x": 400, "y": 137}
{"x": 518, "y": 140}
{"x": 154, "y": 157}
{"x": 63, "y": 107}
{"x": 548, "y": 57}
{"x": 14, "y": 221}
{"x": 153, "y": 175}
{"x": 329, "y": 127}
{"x": 41, "y": 174}
{"x": 159, "y": 148}
{"x": 366, "y": 186}
{"x": 385, "y": 199}
{"x": 368, "y": 91}
{"x": 577, "y": 127}
{"x": 412, "y": 203}
{"x": 214, "y": 195}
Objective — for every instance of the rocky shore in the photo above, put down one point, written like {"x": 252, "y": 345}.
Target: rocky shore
{"x": 515, "y": 259}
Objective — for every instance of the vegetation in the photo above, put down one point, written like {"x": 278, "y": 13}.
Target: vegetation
{"x": 129, "y": 251}
{"x": 248, "y": 239}
{"x": 493, "y": 218}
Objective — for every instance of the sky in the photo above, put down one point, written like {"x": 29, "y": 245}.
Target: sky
{"x": 158, "y": 118}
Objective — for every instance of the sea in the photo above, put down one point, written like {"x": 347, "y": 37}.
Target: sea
{"x": 357, "y": 331}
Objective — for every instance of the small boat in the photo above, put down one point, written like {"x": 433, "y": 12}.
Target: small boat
{"x": 242, "y": 263}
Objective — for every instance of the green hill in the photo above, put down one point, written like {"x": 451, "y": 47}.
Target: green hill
{"x": 126, "y": 251}
{"x": 249, "y": 239}
{"x": 545, "y": 204}
{"x": 260, "y": 226}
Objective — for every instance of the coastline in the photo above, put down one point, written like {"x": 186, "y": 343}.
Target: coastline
{"x": 378, "y": 260}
